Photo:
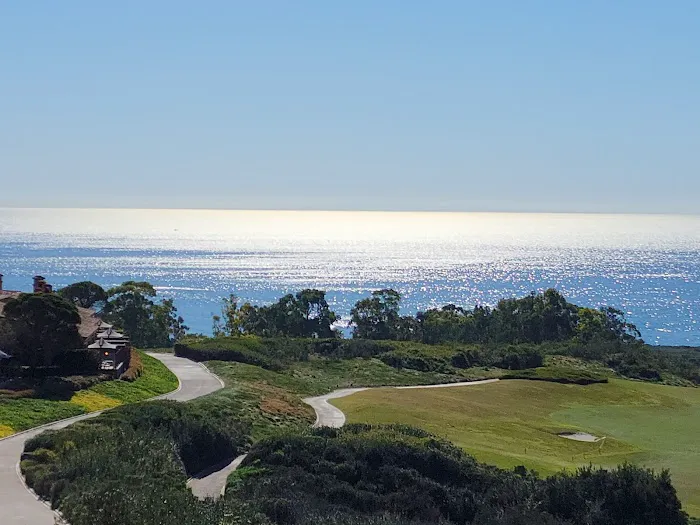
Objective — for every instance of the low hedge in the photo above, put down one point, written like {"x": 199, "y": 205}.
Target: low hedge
{"x": 227, "y": 354}
{"x": 269, "y": 353}
{"x": 351, "y": 348}
{"x": 558, "y": 375}
{"x": 422, "y": 363}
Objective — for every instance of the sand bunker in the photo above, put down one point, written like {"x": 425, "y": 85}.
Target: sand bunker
{"x": 580, "y": 436}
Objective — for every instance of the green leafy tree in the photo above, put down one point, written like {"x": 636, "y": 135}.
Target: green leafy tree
{"x": 167, "y": 326}
{"x": 132, "y": 308}
{"x": 85, "y": 294}
{"x": 8, "y": 338}
{"x": 377, "y": 317}
{"x": 304, "y": 314}
{"x": 317, "y": 317}
{"x": 44, "y": 325}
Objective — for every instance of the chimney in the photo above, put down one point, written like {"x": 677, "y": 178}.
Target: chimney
{"x": 39, "y": 284}
{"x": 0, "y": 282}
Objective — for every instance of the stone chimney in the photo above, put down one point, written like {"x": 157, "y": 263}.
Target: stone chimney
{"x": 40, "y": 285}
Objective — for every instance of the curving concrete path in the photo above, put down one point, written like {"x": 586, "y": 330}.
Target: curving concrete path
{"x": 328, "y": 415}
{"x": 212, "y": 482}
{"x": 20, "y": 506}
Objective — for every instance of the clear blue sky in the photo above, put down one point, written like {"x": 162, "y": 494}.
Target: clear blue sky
{"x": 556, "y": 105}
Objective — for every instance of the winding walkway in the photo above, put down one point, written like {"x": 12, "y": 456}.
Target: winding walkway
{"x": 19, "y": 506}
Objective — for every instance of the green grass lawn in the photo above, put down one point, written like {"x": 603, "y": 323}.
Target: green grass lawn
{"x": 515, "y": 423}
{"x": 21, "y": 414}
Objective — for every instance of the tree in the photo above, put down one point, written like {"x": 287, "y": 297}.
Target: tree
{"x": 45, "y": 325}
{"x": 148, "y": 324}
{"x": 317, "y": 316}
{"x": 377, "y": 317}
{"x": 167, "y": 326}
{"x": 130, "y": 308}
{"x": 305, "y": 314}
{"x": 8, "y": 338}
{"x": 605, "y": 325}
{"x": 85, "y": 294}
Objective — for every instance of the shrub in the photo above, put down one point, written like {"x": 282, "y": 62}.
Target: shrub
{"x": 63, "y": 388}
{"x": 423, "y": 363}
{"x": 350, "y": 348}
{"x": 135, "y": 368}
{"x": 368, "y": 474}
{"x": 519, "y": 358}
{"x": 269, "y": 353}
{"x": 130, "y": 466}
{"x": 558, "y": 375}
{"x": 78, "y": 362}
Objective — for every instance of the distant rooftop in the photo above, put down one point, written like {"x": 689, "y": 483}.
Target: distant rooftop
{"x": 101, "y": 344}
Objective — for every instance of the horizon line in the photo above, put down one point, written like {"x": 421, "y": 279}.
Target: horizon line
{"x": 370, "y": 210}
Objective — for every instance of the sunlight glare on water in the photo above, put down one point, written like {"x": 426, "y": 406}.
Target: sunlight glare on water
{"x": 645, "y": 264}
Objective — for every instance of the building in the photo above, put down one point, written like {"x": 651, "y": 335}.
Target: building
{"x": 114, "y": 348}
{"x": 89, "y": 322}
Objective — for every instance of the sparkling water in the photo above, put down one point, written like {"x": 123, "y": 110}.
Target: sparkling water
{"x": 646, "y": 265}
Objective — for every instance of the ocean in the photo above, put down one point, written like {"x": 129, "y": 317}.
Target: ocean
{"x": 646, "y": 265}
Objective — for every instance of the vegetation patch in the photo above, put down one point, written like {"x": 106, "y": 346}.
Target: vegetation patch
{"x": 558, "y": 375}
{"x": 22, "y": 414}
{"x": 92, "y": 401}
{"x": 155, "y": 380}
{"x": 135, "y": 369}
{"x": 512, "y": 423}
{"x": 6, "y": 430}
{"x": 73, "y": 396}
{"x": 367, "y": 474}
{"x": 131, "y": 464}
{"x": 270, "y": 353}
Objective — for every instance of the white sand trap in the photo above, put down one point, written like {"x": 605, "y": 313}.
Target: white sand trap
{"x": 580, "y": 436}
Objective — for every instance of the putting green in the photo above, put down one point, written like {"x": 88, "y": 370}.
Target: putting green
{"x": 513, "y": 423}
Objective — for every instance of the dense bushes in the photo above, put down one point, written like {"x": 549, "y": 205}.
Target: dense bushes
{"x": 78, "y": 362}
{"x": 511, "y": 357}
{"x": 631, "y": 360}
{"x": 398, "y": 475}
{"x": 130, "y": 466}
{"x": 201, "y": 438}
{"x": 350, "y": 348}
{"x": 63, "y": 388}
{"x": 558, "y": 375}
{"x": 269, "y": 353}
{"x": 135, "y": 368}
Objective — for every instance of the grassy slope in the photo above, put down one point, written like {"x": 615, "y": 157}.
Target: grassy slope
{"x": 21, "y": 414}
{"x": 515, "y": 422}
{"x": 273, "y": 400}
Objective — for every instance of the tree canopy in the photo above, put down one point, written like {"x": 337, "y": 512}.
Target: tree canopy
{"x": 304, "y": 314}
{"x": 535, "y": 318}
{"x": 378, "y": 316}
{"x": 85, "y": 294}
{"x": 44, "y": 325}
{"x": 149, "y": 324}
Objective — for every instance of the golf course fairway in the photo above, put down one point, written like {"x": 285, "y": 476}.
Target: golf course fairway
{"x": 516, "y": 422}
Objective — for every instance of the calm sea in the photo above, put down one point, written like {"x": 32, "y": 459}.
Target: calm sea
{"x": 646, "y": 265}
